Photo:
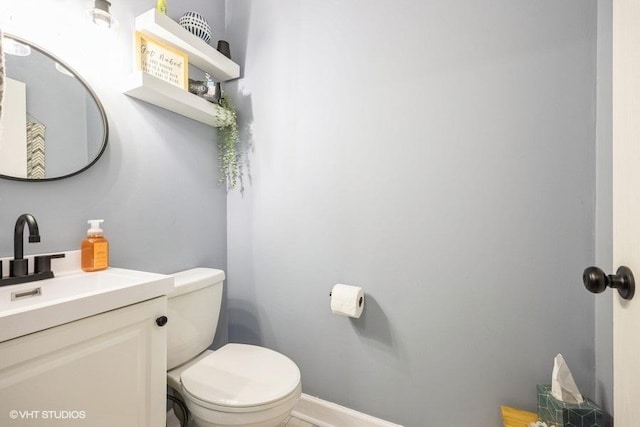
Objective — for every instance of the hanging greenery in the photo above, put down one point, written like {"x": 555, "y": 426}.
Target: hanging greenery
{"x": 228, "y": 138}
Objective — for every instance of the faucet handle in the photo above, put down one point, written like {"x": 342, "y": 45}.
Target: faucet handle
{"x": 43, "y": 262}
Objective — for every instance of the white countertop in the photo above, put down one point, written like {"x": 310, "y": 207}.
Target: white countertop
{"x": 73, "y": 294}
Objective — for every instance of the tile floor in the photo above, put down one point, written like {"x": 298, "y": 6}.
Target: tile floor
{"x": 295, "y": 422}
{"x": 172, "y": 421}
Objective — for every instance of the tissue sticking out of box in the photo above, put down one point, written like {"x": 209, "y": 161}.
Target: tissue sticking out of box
{"x": 563, "y": 386}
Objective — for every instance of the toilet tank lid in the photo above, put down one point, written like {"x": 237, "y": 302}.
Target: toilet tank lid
{"x": 194, "y": 279}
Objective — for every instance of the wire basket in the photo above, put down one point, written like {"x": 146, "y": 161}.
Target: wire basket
{"x": 196, "y": 24}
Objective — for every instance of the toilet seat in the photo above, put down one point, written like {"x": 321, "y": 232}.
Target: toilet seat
{"x": 241, "y": 378}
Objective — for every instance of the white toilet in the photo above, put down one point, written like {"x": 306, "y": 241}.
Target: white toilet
{"x": 236, "y": 385}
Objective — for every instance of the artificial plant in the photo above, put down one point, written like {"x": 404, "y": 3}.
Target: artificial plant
{"x": 228, "y": 138}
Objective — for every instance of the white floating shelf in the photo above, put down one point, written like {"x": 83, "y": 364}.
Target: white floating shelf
{"x": 155, "y": 91}
{"x": 201, "y": 54}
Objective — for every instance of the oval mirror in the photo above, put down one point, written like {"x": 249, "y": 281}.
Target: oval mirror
{"x": 52, "y": 126}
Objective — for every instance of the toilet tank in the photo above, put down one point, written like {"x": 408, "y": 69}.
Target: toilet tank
{"x": 193, "y": 310}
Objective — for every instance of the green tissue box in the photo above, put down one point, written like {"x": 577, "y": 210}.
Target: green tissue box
{"x": 561, "y": 414}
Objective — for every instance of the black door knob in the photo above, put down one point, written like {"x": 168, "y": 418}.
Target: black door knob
{"x": 596, "y": 281}
{"x": 162, "y": 320}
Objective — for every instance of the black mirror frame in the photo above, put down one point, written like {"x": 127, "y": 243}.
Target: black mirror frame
{"x": 103, "y": 115}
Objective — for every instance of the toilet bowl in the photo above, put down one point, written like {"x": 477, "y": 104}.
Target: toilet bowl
{"x": 236, "y": 385}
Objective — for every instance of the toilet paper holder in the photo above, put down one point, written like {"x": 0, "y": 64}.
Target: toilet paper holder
{"x": 360, "y": 300}
{"x": 347, "y": 300}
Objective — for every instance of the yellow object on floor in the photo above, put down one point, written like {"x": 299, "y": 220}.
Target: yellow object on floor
{"x": 512, "y": 417}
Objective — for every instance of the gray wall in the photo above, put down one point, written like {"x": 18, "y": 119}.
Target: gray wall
{"x": 441, "y": 155}
{"x": 604, "y": 204}
{"x": 156, "y": 186}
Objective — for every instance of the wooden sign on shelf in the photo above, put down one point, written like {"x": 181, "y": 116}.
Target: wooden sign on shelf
{"x": 161, "y": 61}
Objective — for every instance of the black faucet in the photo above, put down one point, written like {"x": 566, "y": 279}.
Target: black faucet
{"x": 20, "y": 266}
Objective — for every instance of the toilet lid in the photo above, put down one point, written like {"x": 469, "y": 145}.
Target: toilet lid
{"x": 241, "y": 375}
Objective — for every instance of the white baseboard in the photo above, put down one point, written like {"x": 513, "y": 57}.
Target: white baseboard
{"x": 328, "y": 414}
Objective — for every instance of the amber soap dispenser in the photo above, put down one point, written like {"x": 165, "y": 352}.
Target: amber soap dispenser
{"x": 95, "y": 248}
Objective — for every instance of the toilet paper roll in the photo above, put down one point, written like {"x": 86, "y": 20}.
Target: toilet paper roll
{"x": 347, "y": 300}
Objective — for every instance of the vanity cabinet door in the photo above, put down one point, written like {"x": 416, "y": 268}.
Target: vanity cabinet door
{"x": 106, "y": 370}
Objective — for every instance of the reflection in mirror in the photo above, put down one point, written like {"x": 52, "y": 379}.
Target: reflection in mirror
{"x": 52, "y": 126}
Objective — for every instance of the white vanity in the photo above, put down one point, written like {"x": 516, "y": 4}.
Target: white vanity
{"x": 84, "y": 348}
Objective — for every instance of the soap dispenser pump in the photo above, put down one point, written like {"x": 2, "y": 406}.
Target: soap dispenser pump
{"x": 95, "y": 248}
